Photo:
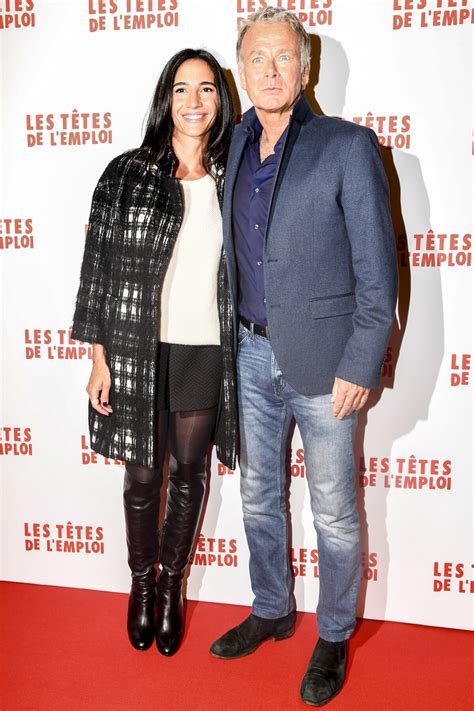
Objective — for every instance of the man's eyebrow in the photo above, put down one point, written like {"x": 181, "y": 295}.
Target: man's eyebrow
{"x": 283, "y": 49}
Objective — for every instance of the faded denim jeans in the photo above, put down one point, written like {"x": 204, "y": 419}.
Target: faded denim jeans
{"x": 267, "y": 404}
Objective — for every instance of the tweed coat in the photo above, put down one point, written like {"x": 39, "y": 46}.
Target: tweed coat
{"x": 136, "y": 214}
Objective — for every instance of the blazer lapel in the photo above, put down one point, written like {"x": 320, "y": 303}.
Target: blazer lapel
{"x": 300, "y": 112}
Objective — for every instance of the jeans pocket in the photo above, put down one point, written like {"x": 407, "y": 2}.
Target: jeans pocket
{"x": 243, "y": 335}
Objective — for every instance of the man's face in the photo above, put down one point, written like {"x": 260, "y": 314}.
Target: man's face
{"x": 270, "y": 68}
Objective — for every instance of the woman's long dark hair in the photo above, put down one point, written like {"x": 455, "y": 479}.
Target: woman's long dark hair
{"x": 159, "y": 125}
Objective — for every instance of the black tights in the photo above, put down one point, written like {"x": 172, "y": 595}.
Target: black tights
{"x": 187, "y": 434}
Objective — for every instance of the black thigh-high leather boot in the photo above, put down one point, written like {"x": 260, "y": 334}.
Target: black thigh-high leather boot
{"x": 186, "y": 489}
{"x": 141, "y": 498}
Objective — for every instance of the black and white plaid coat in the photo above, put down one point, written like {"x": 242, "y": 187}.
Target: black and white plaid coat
{"x": 136, "y": 214}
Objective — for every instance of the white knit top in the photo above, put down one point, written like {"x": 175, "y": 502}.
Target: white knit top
{"x": 189, "y": 312}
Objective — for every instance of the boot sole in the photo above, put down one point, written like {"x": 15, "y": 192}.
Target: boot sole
{"x": 275, "y": 638}
{"x": 320, "y": 703}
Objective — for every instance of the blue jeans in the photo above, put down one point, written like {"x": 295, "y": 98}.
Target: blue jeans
{"x": 267, "y": 404}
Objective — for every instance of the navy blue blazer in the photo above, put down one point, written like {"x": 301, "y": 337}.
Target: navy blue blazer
{"x": 329, "y": 257}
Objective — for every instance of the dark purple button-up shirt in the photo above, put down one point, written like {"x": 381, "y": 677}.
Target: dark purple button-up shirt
{"x": 251, "y": 204}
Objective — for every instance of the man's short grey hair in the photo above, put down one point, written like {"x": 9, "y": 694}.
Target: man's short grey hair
{"x": 276, "y": 14}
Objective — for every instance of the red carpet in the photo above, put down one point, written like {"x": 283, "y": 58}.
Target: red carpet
{"x": 67, "y": 650}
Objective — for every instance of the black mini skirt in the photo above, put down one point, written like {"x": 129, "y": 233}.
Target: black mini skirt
{"x": 189, "y": 377}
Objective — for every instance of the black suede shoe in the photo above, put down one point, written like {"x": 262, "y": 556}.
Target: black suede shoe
{"x": 246, "y": 637}
{"x": 325, "y": 673}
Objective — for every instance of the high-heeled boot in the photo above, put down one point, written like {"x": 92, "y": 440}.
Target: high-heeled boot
{"x": 141, "y": 505}
{"x": 186, "y": 489}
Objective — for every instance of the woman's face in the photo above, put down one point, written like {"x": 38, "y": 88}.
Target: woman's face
{"x": 195, "y": 101}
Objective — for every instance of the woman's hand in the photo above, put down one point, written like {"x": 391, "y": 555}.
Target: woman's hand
{"x": 98, "y": 387}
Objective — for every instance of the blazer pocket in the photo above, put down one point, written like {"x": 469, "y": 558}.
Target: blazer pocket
{"x": 337, "y": 305}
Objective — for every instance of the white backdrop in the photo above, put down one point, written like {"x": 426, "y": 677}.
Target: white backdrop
{"x": 77, "y": 78}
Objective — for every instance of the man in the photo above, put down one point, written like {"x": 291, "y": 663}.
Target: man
{"x": 311, "y": 261}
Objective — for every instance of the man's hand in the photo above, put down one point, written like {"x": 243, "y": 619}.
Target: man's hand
{"x": 347, "y": 398}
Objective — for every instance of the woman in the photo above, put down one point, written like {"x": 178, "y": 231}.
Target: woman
{"x": 154, "y": 301}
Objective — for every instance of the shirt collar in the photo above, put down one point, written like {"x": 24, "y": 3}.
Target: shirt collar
{"x": 255, "y": 131}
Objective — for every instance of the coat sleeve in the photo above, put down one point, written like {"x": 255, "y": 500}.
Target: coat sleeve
{"x": 87, "y": 322}
{"x": 365, "y": 202}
